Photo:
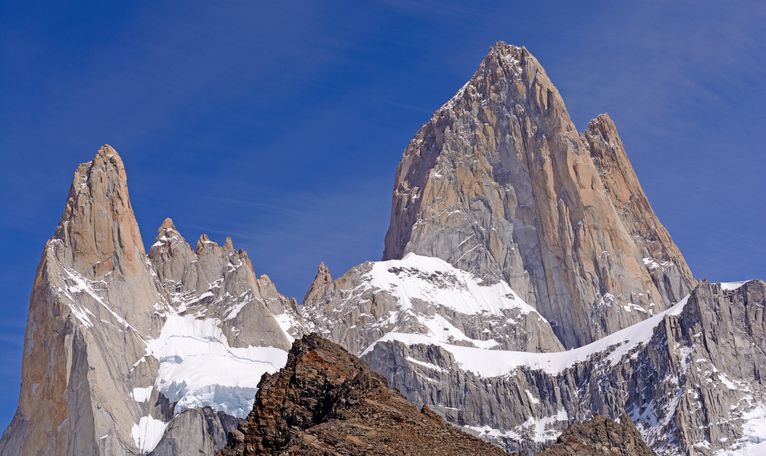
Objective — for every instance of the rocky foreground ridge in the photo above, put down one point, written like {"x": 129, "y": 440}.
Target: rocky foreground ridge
{"x": 527, "y": 285}
{"x": 327, "y": 401}
{"x": 600, "y": 436}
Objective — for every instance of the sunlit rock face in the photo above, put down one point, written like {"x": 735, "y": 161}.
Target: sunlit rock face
{"x": 500, "y": 183}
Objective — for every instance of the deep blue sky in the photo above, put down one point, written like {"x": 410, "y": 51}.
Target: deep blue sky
{"x": 282, "y": 126}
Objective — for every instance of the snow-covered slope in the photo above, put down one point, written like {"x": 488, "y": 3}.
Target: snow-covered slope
{"x": 427, "y": 297}
{"x": 690, "y": 377}
{"x": 198, "y": 367}
{"x": 494, "y": 363}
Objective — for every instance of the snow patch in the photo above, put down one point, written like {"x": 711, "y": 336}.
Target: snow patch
{"x": 430, "y": 279}
{"x": 753, "y": 441}
{"x": 148, "y": 432}
{"x": 543, "y": 429}
{"x": 424, "y": 364}
{"x": 731, "y": 286}
{"x": 198, "y": 368}
{"x": 532, "y": 399}
{"x": 486, "y": 431}
{"x": 141, "y": 394}
{"x": 286, "y": 322}
{"x": 443, "y": 331}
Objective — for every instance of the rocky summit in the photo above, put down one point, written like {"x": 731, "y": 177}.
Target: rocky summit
{"x": 500, "y": 183}
{"x": 527, "y": 295}
{"x": 327, "y": 401}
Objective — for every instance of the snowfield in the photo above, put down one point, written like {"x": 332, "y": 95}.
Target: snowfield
{"x": 198, "y": 368}
{"x": 434, "y": 280}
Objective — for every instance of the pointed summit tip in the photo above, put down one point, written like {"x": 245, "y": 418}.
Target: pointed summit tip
{"x": 503, "y": 48}
{"x": 510, "y": 56}
{"x": 322, "y": 281}
{"x": 168, "y": 224}
{"x": 108, "y": 153}
{"x": 602, "y": 118}
{"x": 602, "y": 124}
{"x": 107, "y": 149}
{"x": 228, "y": 246}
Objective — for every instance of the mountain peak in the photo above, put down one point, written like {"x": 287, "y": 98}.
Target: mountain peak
{"x": 503, "y": 47}
{"x": 322, "y": 281}
{"x": 506, "y": 51}
{"x": 106, "y": 150}
{"x": 500, "y": 183}
{"x": 168, "y": 224}
{"x": 98, "y": 220}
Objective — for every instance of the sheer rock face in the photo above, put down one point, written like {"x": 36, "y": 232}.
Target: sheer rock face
{"x": 94, "y": 369}
{"x": 196, "y": 432}
{"x": 326, "y": 401}
{"x": 320, "y": 286}
{"x": 600, "y": 436}
{"x": 93, "y": 292}
{"x": 691, "y": 379}
{"x": 663, "y": 259}
{"x": 500, "y": 183}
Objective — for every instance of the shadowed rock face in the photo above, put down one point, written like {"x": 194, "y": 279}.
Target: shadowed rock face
{"x": 327, "y": 401}
{"x": 600, "y": 437}
{"x": 500, "y": 183}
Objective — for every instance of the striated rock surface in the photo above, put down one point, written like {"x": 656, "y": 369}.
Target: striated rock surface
{"x": 690, "y": 378}
{"x": 600, "y": 436}
{"x": 500, "y": 183}
{"x": 120, "y": 344}
{"x": 326, "y": 401}
{"x": 200, "y": 431}
{"x": 90, "y": 313}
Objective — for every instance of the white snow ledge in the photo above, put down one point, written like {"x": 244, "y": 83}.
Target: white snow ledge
{"x": 494, "y": 363}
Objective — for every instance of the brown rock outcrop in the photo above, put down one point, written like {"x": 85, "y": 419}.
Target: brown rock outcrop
{"x": 600, "y": 436}
{"x": 328, "y": 402}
